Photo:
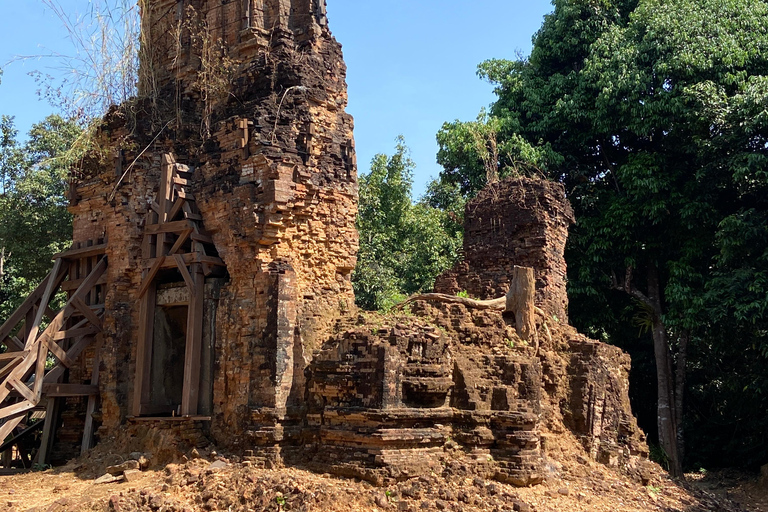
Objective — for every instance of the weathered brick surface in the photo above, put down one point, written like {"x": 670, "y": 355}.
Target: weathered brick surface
{"x": 518, "y": 221}
{"x": 274, "y": 176}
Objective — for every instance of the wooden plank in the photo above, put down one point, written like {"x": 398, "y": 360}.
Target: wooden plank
{"x": 12, "y": 410}
{"x": 14, "y": 355}
{"x": 73, "y": 353}
{"x": 191, "y": 387}
{"x": 150, "y": 277}
{"x": 86, "y": 311}
{"x": 75, "y": 333}
{"x": 22, "y": 389}
{"x": 144, "y": 349}
{"x": 168, "y": 227}
{"x": 182, "y": 182}
{"x": 19, "y": 315}
{"x": 50, "y": 288}
{"x": 29, "y": 320}
{"x": 5, "y": 446}
{"x": 51, "y": 314}
{"x": 82, "y": 252}
{"x": 5, "y": 370}
{"x": 186, "y": 195}
{"x": 177, "y": 207}
{"x": 74, "y": 284}
{"x": 200, "y": 237}
{"x": 51, "y": 415}
{"x": 182, "y": 238}
{"x": 166, "y": 180}
{"x": 20, "y": 372}
{"x": 193, "y": 216}
{"x": 42, "y": 356}
{"x": 10, "y": 424}
{"x": 59, "y": 353}
{"x": 87, "y": 442}
{"x": 185, "y": 273}
{"x": 69, "y": 390}
{"x": 13, "y": 343}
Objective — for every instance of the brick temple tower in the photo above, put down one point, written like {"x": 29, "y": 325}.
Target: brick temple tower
{"x": 239, "y": 157}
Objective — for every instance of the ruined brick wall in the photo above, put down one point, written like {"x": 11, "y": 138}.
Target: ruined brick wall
{"x": 518, "y": 221}
{"x": 263, "y": 129}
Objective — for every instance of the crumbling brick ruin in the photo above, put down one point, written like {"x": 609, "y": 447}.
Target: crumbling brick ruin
{"x": 221, "y": 220}
{"x": 524, "y": 222}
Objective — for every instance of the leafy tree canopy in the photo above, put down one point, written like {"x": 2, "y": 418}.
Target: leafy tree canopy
{"x": 403, "y": 245}
{"x": 34, "y": 222}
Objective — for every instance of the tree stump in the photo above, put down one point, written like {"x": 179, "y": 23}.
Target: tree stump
{"x": 520, "y": 302}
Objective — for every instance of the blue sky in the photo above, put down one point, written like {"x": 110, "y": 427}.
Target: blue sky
{"x": 411, "y": 64}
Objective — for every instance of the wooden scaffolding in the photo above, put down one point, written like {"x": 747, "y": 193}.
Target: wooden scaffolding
{"x": 174, "y": 240}
{"x": 34, "y": 367}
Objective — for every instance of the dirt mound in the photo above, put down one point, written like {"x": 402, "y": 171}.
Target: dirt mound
{"x": 215, "y": 482}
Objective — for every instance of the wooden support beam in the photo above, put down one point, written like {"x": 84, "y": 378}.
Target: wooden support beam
{"x": 182, "y": 182}
{"x": 185, "y": 195}
{"x": 59, "y": 353}
{"x": 189, "y": 259}
{"x": 182, "y": 238}
{"x": 13, "y": 343}
{"x": 87, "y": 442}
{"x": 76, "y": 332}
{"x": 144, "y": 348}
{"x": 42, "y": 356}
{"x": 21, "y": 313}
{"x": 49, "y": 313}
{"x": 87, "y": 312}
{"x": 5, "y": 370}
{"x": 50, "y": 289}
{"x": 5, "y": 447}
{"x": 201, "y": 237}
{"x": 166, "y": 187}
{"x": 22, "y": 388}
{"x": 51, "y": 417}
{"x": 177, "y": 208}
{"x": 149, "y": 279}
{"x": 10, "y": 424}
{"x": 70, "y": 390}
{"x": 185, "y": 273}
{"x": 73, "y": 353}
{"x": 195, "y": 313}
{"x": 21, "y": 372}
{"x": 82, "y": 252}
{"x": 168, "y": 227}
{"x": 74, "y": 284}
{"x": 37, "y": 358}
{"x": 14, "y": 355}
{"x": 12, "y": 410}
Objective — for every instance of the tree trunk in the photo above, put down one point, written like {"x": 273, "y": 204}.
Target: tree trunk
{"x": 667, "y": 424}
{"x": 520, "y": 301}
{"x": 681, "y": 361}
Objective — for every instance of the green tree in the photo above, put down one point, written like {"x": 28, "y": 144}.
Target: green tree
{"x": 34, "y": 222}
{"x": 403, "y": 246}
{"x": 652, "y": 112}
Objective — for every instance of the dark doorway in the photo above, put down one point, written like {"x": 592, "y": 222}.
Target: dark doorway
{"x": 167, "y": 367}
